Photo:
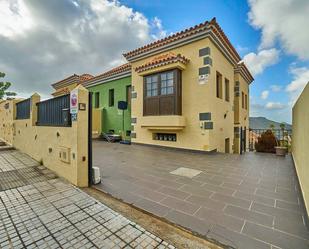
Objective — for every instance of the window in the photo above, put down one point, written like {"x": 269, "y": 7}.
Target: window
{"x": 162, "y": 93}
{"x": 167, "y": 83}
{"x": 97, "y": 100}
{"x": 219, "y": 85}
{"x": 246, "y": 101}
{"x": 227, "y": 90}
{"x": 111, "y": 97}
{"x": 242, "y": 100}
{"x": 152, "y": 86}
{"x": 128, "y": 94}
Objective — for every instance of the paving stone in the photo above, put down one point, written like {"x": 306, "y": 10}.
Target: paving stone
{"x": 274, "y": 237}
{"x": 152, "y": 207}
{"x": 206, "y": 202}
{"x": 174, "y": 192}
{"x": 231, "y": 200}
{"x": 192, "y": 222}
{"x": 255, "y": 198}
{"x": 234, "y": 239}
{"x": 52, "y": 214}
{"x": 217, "y": 217}
{"x": 180, "y": 205}
{"x": 249, "y": 215}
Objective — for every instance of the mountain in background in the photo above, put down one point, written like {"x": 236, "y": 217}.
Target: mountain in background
{"x": 264, "y": 123}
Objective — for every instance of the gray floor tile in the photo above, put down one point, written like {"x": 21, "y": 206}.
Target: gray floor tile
{"x": 274, "y": 237}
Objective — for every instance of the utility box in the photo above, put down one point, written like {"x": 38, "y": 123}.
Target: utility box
{"x": 65, "y": 154}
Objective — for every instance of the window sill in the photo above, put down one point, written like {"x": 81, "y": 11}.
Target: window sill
{"x": 168, "y": 122}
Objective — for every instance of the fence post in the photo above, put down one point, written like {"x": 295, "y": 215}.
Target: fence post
{"x": 80, "y": 130}
{"x": 34, "y": 99}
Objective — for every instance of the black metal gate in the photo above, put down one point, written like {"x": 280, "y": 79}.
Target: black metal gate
{"x": 90, "y": 139}
{"x": 243, "y": 140}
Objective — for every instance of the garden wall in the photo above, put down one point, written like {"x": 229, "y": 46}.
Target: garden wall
{"x": 61, "y": 149}
{"x": 300, "y": 142}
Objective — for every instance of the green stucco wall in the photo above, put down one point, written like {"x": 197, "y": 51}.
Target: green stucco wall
{"x": 112, "y": 117}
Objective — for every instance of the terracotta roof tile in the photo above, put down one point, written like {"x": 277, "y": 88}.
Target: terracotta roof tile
{"x": 212, "y": 25}
{"x": 161, "y": 61}
{"x": 72, "y": 79}
{"x": 113, "y": 72}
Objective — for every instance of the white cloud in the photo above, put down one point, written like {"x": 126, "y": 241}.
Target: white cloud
{"x": 285, "y": 21}
{"x": 264, "y": 94}
{"x": 264, "y": 58}
{"x": 46, "y": 41}
{"x": 276, "y": 88}
{"x": 275, "y": 106}
{"x": 300, "y": 79}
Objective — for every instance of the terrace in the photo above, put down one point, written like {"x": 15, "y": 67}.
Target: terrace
{"x": 243, "y": 201}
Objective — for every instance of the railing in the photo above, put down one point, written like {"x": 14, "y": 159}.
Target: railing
{"x": 281, "y": 135}
{"x": 54, "y": 112}
{"x": 23, "y": 109}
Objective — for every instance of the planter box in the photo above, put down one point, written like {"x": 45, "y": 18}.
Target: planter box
{"x": 281, "y": 151}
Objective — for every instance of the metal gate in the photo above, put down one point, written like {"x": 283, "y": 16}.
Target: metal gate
{"x": 90, "y": 139}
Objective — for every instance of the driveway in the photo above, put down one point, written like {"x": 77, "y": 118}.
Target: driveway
{"x": 244, "y": 201}
{"x": 39, "y": 210}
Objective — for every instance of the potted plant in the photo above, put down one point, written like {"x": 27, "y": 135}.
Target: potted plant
{"x": 282, "y": 148}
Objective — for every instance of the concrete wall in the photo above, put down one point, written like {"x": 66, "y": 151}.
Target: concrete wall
{"x": 46, "y": 143}
{"x": 7, "y": 115}
{"x": 196, "y": 98}
{"x": 300, "y": 142}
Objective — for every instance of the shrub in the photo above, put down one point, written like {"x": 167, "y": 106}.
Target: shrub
{"x": 266, "y": 142}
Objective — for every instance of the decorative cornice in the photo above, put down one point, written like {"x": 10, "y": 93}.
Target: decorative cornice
{"x": 162, "y": 61}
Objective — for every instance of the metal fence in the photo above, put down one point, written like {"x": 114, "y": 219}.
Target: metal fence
{"x": 23, "y": 109}
{"x": 280, "y": 134}
{"x": 54, "y": 112}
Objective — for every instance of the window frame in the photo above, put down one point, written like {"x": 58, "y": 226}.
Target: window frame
{"x": 128, "y": 94}
{"x": 111, "y": 97}
{"x": 227, "y": 89}
{"x": 159, "y": 98}
{"x": 218, "y": 85}
{"x": 97, "y": 100}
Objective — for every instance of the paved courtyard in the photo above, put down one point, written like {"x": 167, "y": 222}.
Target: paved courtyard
{"x": 39, "y": 210}
{"x": 249, "y": 201}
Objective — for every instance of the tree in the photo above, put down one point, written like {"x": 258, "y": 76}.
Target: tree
{"x": 272, "y": 126}
{"x": 4, "y": 86}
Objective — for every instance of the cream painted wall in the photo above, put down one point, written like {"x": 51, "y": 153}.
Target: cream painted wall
{"x": 196, "y": 98}
{"x": 7, "y": 114}
{"x": 241, "y": 115}
{"x": 44, "y": 143}
{"x": 300, "y": 142}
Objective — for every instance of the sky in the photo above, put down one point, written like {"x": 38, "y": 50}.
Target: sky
{"x": 43, "y": 41}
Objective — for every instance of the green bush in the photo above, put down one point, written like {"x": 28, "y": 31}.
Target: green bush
{"x": 266, "y": 142}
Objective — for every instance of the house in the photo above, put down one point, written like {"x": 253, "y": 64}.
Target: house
{"x": 108, "y": 89}
{"x": 190, "y": 90}
{"x": 64, "y": 86}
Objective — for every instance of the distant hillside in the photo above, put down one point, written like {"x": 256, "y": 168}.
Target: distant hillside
{"x": 264, "y": 123}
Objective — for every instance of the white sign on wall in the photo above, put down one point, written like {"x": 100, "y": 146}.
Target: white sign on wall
{"x": 203, "y": 79}
{"x": 74, "y": 101}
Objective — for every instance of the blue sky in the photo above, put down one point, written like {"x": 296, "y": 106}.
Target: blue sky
{"x": 233, "y": 18}
{"x": 43, "y": 42}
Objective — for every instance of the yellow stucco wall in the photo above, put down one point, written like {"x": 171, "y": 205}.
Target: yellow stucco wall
{"x": 97, "y": 114}
{"x": 300, "y": 142}
{"x": 241, "y": 115}
{"x": 196, "y": 98}
{"x": 44, "y": 143}
{"x": 7, "y": 114}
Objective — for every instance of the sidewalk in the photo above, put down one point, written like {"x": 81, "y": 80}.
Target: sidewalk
{"x": 37, "y": 211}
